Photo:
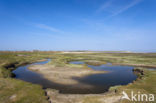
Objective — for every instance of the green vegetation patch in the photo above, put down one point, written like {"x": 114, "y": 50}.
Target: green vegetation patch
{"x": 144, "y": 85}
{"x": 16, "y": 91}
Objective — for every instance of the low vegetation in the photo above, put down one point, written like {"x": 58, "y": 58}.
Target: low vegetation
{"x": 17, "y": 91}
{"x": 144, "y": 85}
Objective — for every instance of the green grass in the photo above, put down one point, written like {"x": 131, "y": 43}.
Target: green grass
{"x": 17, "y": 91}
{"x": 23, "y": 92}
{"x": 147, "y": 59}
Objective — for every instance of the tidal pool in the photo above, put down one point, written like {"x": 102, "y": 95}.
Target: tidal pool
{"x": 99, "y": 83}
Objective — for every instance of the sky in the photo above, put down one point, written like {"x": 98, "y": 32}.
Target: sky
{"x": 99, "y": 25}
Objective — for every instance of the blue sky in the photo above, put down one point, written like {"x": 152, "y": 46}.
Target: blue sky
{"x": 78, "y": 25}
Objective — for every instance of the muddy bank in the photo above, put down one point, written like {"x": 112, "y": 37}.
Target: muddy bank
{"x": 56, "y": 97}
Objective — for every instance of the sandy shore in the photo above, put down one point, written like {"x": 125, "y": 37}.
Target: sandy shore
{"x": 63, "y": 75}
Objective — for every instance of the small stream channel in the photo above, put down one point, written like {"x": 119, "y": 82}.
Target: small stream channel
{"x": 100, "y": 83}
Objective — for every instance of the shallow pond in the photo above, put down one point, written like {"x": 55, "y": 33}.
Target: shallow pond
{"x": 25, "y": 74}
{"x": 99, "y": 83}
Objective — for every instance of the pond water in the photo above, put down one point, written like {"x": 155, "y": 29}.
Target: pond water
{"x": 99, "y": 83}
{"x": 25, "y": 74}
{"x": 117, "y": 75}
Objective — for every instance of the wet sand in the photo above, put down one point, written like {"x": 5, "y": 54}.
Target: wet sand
{"x": 63, "y": 75}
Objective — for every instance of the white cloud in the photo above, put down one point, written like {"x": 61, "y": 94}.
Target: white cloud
{"x": 43, "y": 26}
{"x": 133, "y": 3}
{"x": 104, "y": 6}
{"x": 111, "y": 5}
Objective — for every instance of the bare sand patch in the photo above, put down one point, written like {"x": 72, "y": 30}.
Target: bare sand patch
{"x": 55, "y": 97}
{"x": 63, "y": 75}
